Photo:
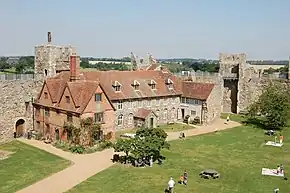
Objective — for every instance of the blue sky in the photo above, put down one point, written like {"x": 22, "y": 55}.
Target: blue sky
{"x": 165, "y": 28}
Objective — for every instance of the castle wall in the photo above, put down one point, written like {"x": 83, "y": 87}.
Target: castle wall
{"x": 16, "y": 103}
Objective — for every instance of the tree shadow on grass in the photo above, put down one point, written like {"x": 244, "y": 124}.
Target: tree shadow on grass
{"x": 255, "y": 123}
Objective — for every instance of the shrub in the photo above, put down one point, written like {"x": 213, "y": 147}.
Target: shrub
{"x": 105, "y": 145}
{"x": 77, "y": 149}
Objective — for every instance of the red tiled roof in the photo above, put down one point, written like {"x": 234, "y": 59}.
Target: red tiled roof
{"x": 126, "y": 78}
{"x": 83, "y": 89}
{"x": 55, "y": 88}
{"x": 143, "y": 113}
{"x": 82, "y": 92}
{"x": 196, "y": 90}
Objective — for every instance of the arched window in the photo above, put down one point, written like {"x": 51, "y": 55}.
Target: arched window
{"x": 120, "y": 120}
{"x": 165, "y": 114}
{"x": 173, "y": 113}
{"x": 158, "y": 114}
{"x": 130, "y": 119}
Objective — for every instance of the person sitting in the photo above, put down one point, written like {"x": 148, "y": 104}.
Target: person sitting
{"x": 181, "y": 181}
{"x": 278, "y": 169}
{"x": 281, "y": 169}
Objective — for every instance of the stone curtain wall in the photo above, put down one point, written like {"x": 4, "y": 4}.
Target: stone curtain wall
{"x": 15, "y": 95}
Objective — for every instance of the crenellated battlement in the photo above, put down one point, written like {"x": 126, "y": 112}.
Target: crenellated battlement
{"x": 233, "y": 58}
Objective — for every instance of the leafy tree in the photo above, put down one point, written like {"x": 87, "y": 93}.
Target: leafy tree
{"x": 124, "y": 145}
{"x": 147, "y": 142}
{"x": 273, "y": 105}
{"x": 3, "y": 63}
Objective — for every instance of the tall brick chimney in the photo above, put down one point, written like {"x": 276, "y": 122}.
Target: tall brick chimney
{"x": 74, "y": 65}
{"x": 49, "y": 37}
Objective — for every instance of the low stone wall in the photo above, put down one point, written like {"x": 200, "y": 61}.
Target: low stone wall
{"x": 16, "y": 103}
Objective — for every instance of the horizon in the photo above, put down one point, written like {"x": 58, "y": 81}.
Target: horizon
{"x": 197, "y": 29}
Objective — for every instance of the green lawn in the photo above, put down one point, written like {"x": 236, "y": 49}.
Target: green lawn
{"x": 167, "y": 128}
{"x": 26, "y": 166}
{"x": 238, "y": 154}
{"x": 233, "y": 117}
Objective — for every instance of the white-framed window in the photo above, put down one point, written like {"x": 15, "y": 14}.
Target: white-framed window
{"x": 153, "y": 102}
{"x": 158, "y": 114}
{"x": 196, "y": 102}
{"x": 130, "y": 103}
{"x": 157, "y": 102}
{"x": 120, "y": 105}
{"x": 183, "y": 100}
{"x": 130, "y": 119}
{"x": 192, "y": 113}
{"x": 120, "y": 120}
{"x": 117, "y": 88}
{"x": 165, "y": 114}
{"x": 134, "y": 104}
{"x": 99, "y": 117}
{"x": 173, "y": 113}
{"x": 148, "y": 103}
{"x": 165, "y": 101}
{"x": 139, "y": 103}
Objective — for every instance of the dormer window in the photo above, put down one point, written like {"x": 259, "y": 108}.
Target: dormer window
{"x": 152, "y": 84}
{"x": 67, "y": 99}
{"x": 116, "y": 86}
{"x": 169, "y": 83}
{"x": 45, "y": 95}
{"x": 136, "y": 85}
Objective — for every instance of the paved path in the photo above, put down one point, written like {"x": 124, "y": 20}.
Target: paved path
{"x": 85, "y": 166}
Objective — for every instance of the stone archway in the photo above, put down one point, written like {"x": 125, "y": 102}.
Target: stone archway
{"x": 19, "y": 128}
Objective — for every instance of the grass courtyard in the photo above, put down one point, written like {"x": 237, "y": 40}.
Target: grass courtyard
{"x": 26, "y": 166}
{"x": 167, "y": 128}
{"x": 238, "y": 154}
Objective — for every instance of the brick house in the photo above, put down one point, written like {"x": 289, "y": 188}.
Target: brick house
{"x": 69, "y": 100}
{"x": 122, "y": 99}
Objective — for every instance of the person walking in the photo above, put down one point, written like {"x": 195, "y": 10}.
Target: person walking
{"x": 171, "y": 185}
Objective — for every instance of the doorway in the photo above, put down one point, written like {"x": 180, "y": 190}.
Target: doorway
{"x": 57, "y": 134}
{"x": 19, "y": 128}
{"x": 151, "y": 122}
{"x": 182, "y": 114}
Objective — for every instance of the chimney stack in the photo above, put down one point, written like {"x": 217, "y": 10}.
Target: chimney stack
{"x": 49, "y": 37}
{"x": 74, "y": 65}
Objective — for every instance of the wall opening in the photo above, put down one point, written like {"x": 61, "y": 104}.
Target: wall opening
{"x": 230, "y": 99}
{"x": 19, "y": 128}
{"x": 45, "y": 72}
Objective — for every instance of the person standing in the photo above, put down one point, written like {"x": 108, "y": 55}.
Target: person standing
{"x": 281, "y": 139}
{"x": 228, "y": 119}
{"x": 171, "y": 185}
{"x": 185, "y": 176}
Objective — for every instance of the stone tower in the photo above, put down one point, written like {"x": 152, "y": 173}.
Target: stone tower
{"x": 51, "y": 59}
{"x": 231, "y": 69}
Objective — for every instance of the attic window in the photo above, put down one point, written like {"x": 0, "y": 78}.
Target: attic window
{"x": 169, "y": 83}
{"x": 116, "y": 86}
{"x": 136, "y": 85}
{"x": 152, "y": 84}
{"x": 67, "y": 99}
{"x": 45, "y": 95}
